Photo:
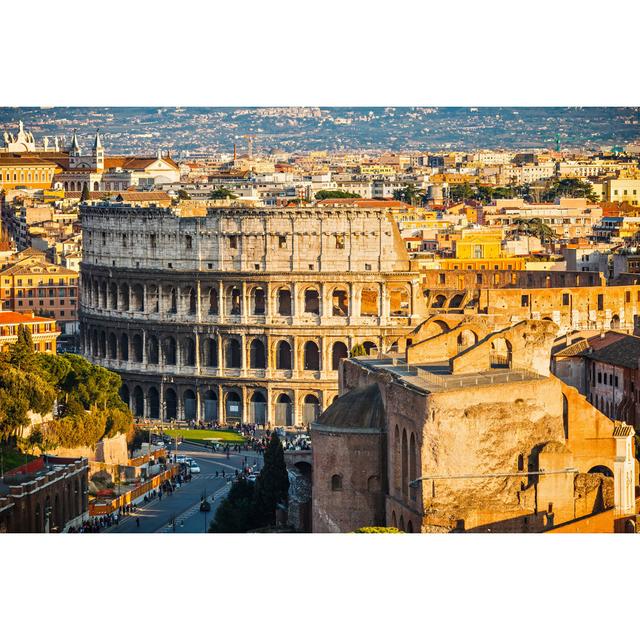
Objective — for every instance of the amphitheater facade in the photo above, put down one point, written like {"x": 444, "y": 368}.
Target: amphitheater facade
{"x": 240, "y": 314}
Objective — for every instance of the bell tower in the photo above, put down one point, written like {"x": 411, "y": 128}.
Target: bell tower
{"x": 75, "y": 152}
{"x": 98, "y": 152}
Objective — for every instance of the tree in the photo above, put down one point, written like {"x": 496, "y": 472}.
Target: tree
{"x": 236, "y": 513}
{"x": 569, "y": 188}
{"x": 460, "y": 192}
{"x": 222, "y": 194}
{"x": 358, "y": 350}
{"x": 21, "y": 353}
{"x": 325, "y": 194}
{"x": 272, "y": 485}
{"x": 183, "y": 195}
{"x": 84, "y": 196}
{"x": 409, "y": 194}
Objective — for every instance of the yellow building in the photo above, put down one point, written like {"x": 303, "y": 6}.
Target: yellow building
{"x": 481, "y": 249}
{"x": 623, "y": 189}
{"x": 43, "y": 330}
{"x": 27, "y": 171}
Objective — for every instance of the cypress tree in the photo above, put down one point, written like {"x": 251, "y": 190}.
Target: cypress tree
{"x": 272, "y": 485}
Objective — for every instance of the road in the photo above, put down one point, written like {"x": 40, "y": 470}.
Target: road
{"x": 183, "y": 504}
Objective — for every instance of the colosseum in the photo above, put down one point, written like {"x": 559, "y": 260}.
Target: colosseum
{"x": 240, "y": 314}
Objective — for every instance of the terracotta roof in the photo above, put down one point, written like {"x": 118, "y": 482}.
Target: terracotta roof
{"x": 623, "y": 353}
{"x": 13, "y": 317}
{"x": 364, "y": 203}
{"x": 20, "y": 160}
{"x": 361, "y": 408}
{"x": 133, "y": 163}
{"x": 143, "y": 196}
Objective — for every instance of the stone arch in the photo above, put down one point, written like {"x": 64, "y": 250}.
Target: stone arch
{"x": 310, "y": 408}
{"x": 124, "y": 296}
{"x": 213, "y": 301}
{"x": 234, "y": 301}
{"x": 312, "y": 301}
{"x": 401, "y": 523}
{"x": 284, "y": 360}
{"x": 373, "y": 484}
{"x": 125, "y": 395}
{"x": 466, "y": 338}
{"x": 394, "y": 520}
{"x": 340, "y": 302}
{"x": 153, "y": 298}
{"x": 603, "y": 469}
{"x": 171, "y": 300}
{"x": 258, "y": 301}
{"x": 189, "y": 404}
{"x": 284, "y": 301}
{"x": 210, "y": 405}
{"x": 258, "y": 407}
{"x": 190, "y": 301}
{"x": 210, "y": 352}
{"x": 136, "y": 347}
{"x": 124, "y": 347}
{"x": 369, "y": 305}
{"x": 113, "y": 296}
{"x": 138, "y": 402}
{"x": 154, "y": 403}
{"x": 339, "y": 352}
{"x": 409, "y": 526}
{"x": 369, "y": 346}
{"x": 171, "y": 404}
{"x": 500, "y": 356}
{"x": 169, "y": 354}
{"x": 96, "y": 186}
{"x": 284, "y": 410}
{"x": 336, "y": 482}
{"x": 399, "y": 301}
{"x": 615, "y": 321}
{"x": 113, "y": 346}
{"x": 188, "y": 352}
{"x": 137, "y": 297}
{"x": 456, "y": 301}
{"x": 257, "y": 356}
{"x": 103, "y": 344}
{"x": 103, "y": 294}
{"x": 233, "y": 354}
{"x": 439, "y": 301}
{"x": 233, "y": 406}
{"x": 311, "y": 356}
{"x": 153, "y": 352}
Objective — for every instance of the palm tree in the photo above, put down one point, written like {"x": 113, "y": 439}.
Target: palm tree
{"x": 410, "y": 194}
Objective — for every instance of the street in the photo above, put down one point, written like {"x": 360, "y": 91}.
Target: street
{"x": 183, "y": 504}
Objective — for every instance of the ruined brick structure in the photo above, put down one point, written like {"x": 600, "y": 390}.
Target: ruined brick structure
{"x": 450, "y": 437}
{"x": 573, "y": 300}
{"x": 240, "y": 314}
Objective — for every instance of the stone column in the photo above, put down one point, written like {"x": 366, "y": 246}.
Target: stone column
{"x": 198, "y": 407}
{"x": 180, "y": 406}
{"x": 243, "y": 355}
{"x": 145, "y": 302}
{"x": 221, "y": 416}
{"x": 245, "y": 406}
{"x": 221, "y": 309}
{"x": 244, "y": 309}
{"x": 144, "y": 347}
{"x": 198, "y": 302}
{"x": 385, "y": 303}
{"x": 324, "y": 304}
{"x": 294, "y": 302}
{"x": 196, "y": 340}
{"x": 220, "y": 352}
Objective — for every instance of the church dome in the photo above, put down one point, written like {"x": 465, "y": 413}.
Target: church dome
{"x": 361, "y": 408}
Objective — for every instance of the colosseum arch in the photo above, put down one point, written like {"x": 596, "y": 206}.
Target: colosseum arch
{"x": 95, "y": 300}
{"x": 103, "y": 294}
{"x": 258, "y": 301}
{"x": 399, "y": 301}
{"x": 284, "y": 410}
{"x": 311, "y": 356}
{"x": 233, "y": 406}
{"x": 210, "y": 352}
{"x": 138, "y": 402}
{"x": 257, "y": 359}
{"x": 310, "y": 408}
{"x": 284, "y": 360}
{"x": 233, "y": 302}
{"x": 369, "y": 305}
{"x": 153, "y": 352}
{"x": 169, "y": 351}
{"x": 212, "y": 299}
{"x": 258, "y": 407}
{"x": 125, "y": 395}
{"x": 500, "y": 354}
{"x": 124, "y": 296}
{"x": 210, "y": 400}
{"x": 170, "y": 300}
{"x": 456, "y": 301}
{"x": 233, "y": 354}
{"x": 153, "y": 298}
{"x": 340, "y": 302}
{"x": 154, "y": 403}
{"x": 113, "y": 346}
{"x": 189, "y": 404}
{"x": 137, "y": 297}
{"x": 188, "y": 355}
{"x": 124, "y": 347}
{"x": 312, "y": 301}
{"x": 369, "y": 346}
{"x": 284, "y": 302}
{"x": 190, "y": 301}
{"x": 94, "y": 342}
{"x": 466, "y": 338}
{"x": 136, "y": 348}
{"x": 170, "y": 404}
{"x": 103, "y": 344}
{"x": 113, "y": 296}
{"x": 439, "y": 301}
{"x": 339, "y": 352}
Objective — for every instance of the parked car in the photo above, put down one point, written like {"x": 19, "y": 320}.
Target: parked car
{"x": 193, "y": 465}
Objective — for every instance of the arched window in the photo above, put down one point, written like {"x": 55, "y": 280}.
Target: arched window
{"x": 113, "y": 346}
{"x": 399, "y": 301}
{"x": 340, "y": 303}
{"x": 500, "y": 354}
{"x": 311, "y": 356}
{"x": 113, "y": 294}
{"x": 336, "y": 482}
{"x": 339, "y": 352}
{"x": 169, "y": 351}
{"x": 234, "y": 303}
{"x": 210, "y": 405}
{"x": 258, "y": 408}
{"x": 284, "y": 302}
{"x": 369, "y": 346}
{"x": 234, "y": 406}
{"x": 466, "y": 339}
{"x": 173, "y": 301}
{"x": 124, "y": 394}
{"x": 103, "y": 344}
{"x": 439, "y": 301}
{"x": 103, "y": 295}
{"x": 369, "y": 303}
{"x": 137, "y": 297}
{"x": 138, "y": 402}
{"x": 188, "y": 352}
{"x": 211, "y": 352}
{"x": 284, "y": 411}
{"x": 257, "y": 354}
{"x": 189, "y": 403}
{"x": 405, "y": 464}
{"x": 154, "y": 403}
{"x": 283, "y": 356}
{"x": 310, "y": 409}
{"x": 136, "y": 346}
{"x": 124, "y": 296}
{"x": 191, "y": 297}
{"x": 312, "y": 302}
{"x": 233, "y": 355}
{"x": 152, "y": 350}
{"x": 213, "y": 302}
{"x": 124, "y": 347}
{"x": 258, "y": 301}
{"x": 171, "y": 404}
{"x": 96, "y": 186}
{"x": 409, "y": 527}
{"x": 413, "y": 466}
